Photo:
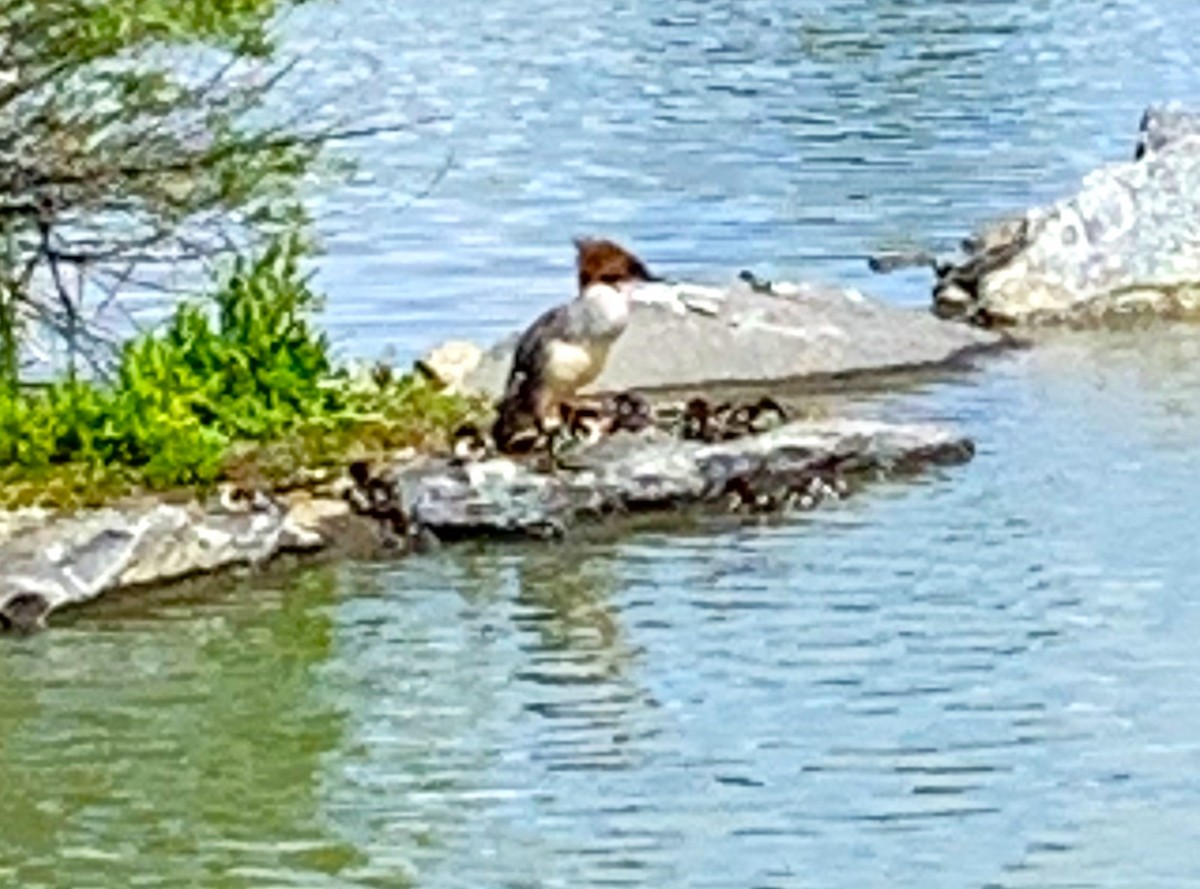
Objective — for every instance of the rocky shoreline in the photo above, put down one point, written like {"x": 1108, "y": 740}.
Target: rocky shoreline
{"x": 52, "y": 562}
{"x": 1123, "y": 245}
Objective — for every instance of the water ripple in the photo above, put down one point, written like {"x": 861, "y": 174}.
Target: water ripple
{"x": 975, "y": 678}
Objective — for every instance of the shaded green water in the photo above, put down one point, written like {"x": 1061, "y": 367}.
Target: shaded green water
{"x": 134, "y": 745}
{"x": 981, "y": 678}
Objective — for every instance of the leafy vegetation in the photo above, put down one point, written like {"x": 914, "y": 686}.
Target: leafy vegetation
{"x": 135, "y": 136}
{"x": 237, "y": 384}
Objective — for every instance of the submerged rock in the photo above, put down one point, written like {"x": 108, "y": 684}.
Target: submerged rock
{"x": 1128, "y": 243}
{"x": 687, "y": 337}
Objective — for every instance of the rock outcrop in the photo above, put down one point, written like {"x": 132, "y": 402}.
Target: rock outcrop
{"x": 793, "y": 466}
{"x": 750, "y": 334}
{"x": 1162, "y": 125}
{"x": 1128, "y": 243}
{"x": 755, "y": 333}
{"x": 47, "y": 563}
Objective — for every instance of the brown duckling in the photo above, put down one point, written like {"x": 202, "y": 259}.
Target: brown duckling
{"x": 631, "y": 413}
{"x": 702, "y": 421}
{"x": 752, "y": 419}
{"x": 469, "y": 444}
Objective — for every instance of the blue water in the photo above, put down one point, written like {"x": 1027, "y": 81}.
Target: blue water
{"x": 790, "y": 137}
{"x": 983, "y": 678}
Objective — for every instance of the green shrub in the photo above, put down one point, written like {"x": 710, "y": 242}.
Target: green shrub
{"x": 239, "y": 382}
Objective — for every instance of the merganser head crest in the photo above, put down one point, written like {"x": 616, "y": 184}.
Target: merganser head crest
{"x": 605, "y": 262}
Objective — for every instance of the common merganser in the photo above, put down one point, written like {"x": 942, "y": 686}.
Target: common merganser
{"x": 566, "y": 348}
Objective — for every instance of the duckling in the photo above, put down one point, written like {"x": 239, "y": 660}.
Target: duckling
{"x": 370, "y": 495}
{"x": 582, "y": 422}
{"x": 753, "y": 419}
{"x": 469, "y": 445}
{"x": 236, "y": 499}
{"x": 632, "y": 413}
{"x": 702, "y": 421}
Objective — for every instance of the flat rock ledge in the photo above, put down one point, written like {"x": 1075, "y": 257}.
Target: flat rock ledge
{"x": 793, "y": 466}
{"x": 50, "y": 562}
{"x": 749, "y": 333}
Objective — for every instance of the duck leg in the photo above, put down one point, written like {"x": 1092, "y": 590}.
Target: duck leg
{"x": 551, "y": 423}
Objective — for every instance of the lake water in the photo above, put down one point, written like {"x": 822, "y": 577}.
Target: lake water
{"x": 985, "y": 678}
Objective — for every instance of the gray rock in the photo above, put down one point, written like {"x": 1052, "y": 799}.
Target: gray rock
{"x": 59, "y": 561}
{"x": 1164, "y": 124}
{"x": 50, "y": 562}
{"x": 1125, "y": 244}
{"x": 690, "y": 337}
{"x": 16, "y": 521}
{"x": 654, "y": 471}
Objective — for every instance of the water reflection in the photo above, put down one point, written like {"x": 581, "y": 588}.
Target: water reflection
{"x": 564, "y": 598}
{"x": 181, "y": 736}
{"x": 977, "y": 678}
{"x": 474, "y": 652}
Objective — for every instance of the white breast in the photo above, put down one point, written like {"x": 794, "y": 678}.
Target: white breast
{"x": 607, "y": 311}
{"x": 571, "y": 366}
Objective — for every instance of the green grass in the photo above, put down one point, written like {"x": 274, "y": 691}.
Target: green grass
{"x": 239, "y": 385}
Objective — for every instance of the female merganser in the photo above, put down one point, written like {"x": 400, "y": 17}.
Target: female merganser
{"x": 567, "y": 346}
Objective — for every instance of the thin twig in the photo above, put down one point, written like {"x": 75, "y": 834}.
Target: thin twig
{"x": 434, "y": 181}
{"x": 213, "y": 157}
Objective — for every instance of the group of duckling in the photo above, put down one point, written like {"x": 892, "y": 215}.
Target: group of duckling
{"x": 698, "y": 419}
{"x": 771, "y": 495}
{"x": 701, "y": 420}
